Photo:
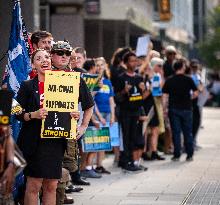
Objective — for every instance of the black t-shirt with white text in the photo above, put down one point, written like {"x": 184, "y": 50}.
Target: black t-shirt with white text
{"x": 179, "y": 88}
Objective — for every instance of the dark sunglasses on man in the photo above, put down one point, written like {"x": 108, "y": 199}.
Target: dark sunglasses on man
{"x": 62, "y": 52}
{"x": 171, "y": 53}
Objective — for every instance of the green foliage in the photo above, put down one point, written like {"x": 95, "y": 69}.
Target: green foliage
{"x": 210, "y": 47}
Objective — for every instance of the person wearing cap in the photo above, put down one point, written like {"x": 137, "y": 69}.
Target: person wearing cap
{"x": 170, "y": 52}
{"x": 61, "y": 53}
{"x": 154, "y": 85}
{"x": 171, "y": 56}
{"x": 194, "y": 68}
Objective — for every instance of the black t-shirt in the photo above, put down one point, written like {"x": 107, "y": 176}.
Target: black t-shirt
{"x": 133, "y": 101}
{"x": 179, "y": 88}
{"x": 85, "y": 96}
{"x": 149, "y": 101}
{"x": 115, "y": 73}
{"x": 168, "y": 70}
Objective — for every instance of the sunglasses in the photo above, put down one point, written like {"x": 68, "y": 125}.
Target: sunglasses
{"x": 171, "y": 53}
{"x": 61, "y": 53}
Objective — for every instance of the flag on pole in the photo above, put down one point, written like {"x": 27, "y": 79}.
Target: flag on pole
{"x": 19, "y": 65}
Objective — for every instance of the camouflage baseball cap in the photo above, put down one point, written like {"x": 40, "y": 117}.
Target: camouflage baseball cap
{"x": 62, "y": 45}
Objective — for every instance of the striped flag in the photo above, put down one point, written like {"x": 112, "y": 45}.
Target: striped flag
{"x": 19, "y": 65}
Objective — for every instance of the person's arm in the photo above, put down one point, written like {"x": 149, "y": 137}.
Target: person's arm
{"x": 8, "y": 176}
{"x": 87, "y": 103}
{"x": 194, "y": 89}
{"x": 112, "y": 108}
{"x": 85, "y": 121}
{"x": 22, "y": 99}
{"x": 147, "y": 59}
{"x": 165, "y": 101}
{"x": 195, "y": 94}
{"x": 99, "y": 115}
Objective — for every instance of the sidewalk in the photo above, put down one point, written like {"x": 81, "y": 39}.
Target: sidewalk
{"x": 166, "y": 182}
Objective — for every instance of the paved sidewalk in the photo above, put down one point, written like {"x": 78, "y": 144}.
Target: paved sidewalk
{"x": 166, "y": 182}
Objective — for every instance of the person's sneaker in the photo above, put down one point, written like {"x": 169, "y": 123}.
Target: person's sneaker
{"x": 143, "y": 167}
{"x": 189, "y": 158}
{"x": 175, "y": 159}
{"x": 156, "y": 156}
{"x": 68, "y": 200}
{"x": 131, "y": 167}
{"x": 71, "y": 188}
{"x": 102, "y": 170}
{"x": 80, "y": 181}
{"x": 90, "y": 174}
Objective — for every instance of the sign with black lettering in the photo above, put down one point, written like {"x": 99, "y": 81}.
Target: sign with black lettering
{"x": 5, "y": 106}
{"x": 95, "y": 140}
{"x": 61, "y": 93}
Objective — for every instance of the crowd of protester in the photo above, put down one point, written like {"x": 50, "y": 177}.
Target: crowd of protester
{"x": 153, "y": 98}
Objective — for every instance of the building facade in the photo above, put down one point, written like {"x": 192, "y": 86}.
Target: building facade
{"x": 117, "y": 24}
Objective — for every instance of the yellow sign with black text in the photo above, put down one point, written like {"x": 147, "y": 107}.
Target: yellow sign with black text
{"x": 61, "y": 93}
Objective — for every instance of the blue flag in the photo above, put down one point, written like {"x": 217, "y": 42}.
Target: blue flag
{"x": 19, "y": 65}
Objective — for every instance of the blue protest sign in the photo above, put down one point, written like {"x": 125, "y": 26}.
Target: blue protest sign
{"x": 115, "y": 136}
{"x": 95, "y": 140}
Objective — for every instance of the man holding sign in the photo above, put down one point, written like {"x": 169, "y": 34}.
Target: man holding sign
{"x": 61, "y": 53}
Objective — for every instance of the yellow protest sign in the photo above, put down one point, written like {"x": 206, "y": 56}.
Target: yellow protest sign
{"x": 61, "y": 93}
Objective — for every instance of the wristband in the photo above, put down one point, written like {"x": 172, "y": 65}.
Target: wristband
{"x": 10, "y": 162}
{"x": 29, "y": 115}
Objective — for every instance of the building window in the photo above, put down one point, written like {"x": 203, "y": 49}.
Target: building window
{"x": 45, "y": 17}
{"x": 92, "y": 6}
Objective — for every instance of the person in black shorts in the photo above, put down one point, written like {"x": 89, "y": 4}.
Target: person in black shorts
{"x": 139, "y": 141}
{"x": 44, "y": 156}
{"x": 130, "y": 87}
{"x": 149, "y": 104}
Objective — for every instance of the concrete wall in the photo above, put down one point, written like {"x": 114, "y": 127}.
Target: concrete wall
{"x": 139, "y": 12}
{"x": 182, "y": 19}
{"x": 70, "y": 27}
{"x": 5, "y": 16}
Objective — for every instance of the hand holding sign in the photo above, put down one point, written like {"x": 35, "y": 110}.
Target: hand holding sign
{"x": 143, "y": 45}
{"x": 75, "y": 115}
{"x": 127, "y": 87}
{"x": 80, "y": 131}
{"x": 40, "y": 114}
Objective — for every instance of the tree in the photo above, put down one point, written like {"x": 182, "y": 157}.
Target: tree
{"x": 210, "y": 47}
